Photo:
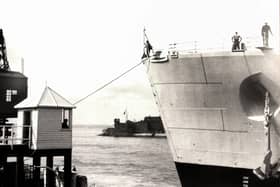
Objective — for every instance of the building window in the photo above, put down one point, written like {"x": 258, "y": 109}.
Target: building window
{"x": 9, "y": 94}
{"x": 65, "y": 118}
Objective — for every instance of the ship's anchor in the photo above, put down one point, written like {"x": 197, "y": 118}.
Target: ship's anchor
{"x": 267, "y": 170}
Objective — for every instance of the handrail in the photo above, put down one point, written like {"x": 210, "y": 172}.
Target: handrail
{"x": 8, "y": 135}
{"x": 222, "y": 44}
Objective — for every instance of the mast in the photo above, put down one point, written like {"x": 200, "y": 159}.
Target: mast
{"x": 22, "y": 65}
{"x": 126, "y": 114}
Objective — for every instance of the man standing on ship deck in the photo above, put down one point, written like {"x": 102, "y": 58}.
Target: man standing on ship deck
{"x": 147, "y": 48}
{"x": 236, "y": 39}
{"x": 265, "y": 34}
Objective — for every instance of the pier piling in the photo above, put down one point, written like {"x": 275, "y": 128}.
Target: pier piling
{"x": 20, "y": 170}
{"x": 50, "y": 173}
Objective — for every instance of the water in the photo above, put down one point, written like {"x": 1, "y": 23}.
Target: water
{"x": 132, "y": 161}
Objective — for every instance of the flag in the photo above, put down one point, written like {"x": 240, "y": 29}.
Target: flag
{"x": 125, "y": 113}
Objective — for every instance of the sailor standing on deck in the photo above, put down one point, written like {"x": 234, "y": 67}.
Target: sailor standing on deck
{"x": 236, "y": 39}
{"x": 147, "y": 49}
{"x": 265, "y": 34}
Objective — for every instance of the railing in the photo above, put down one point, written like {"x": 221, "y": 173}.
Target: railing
{"x": 213, "y": 45}
{"x": 15, "y": 135}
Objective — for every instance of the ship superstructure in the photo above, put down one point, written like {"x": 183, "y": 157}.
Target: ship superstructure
{"x": 212, "y": 107}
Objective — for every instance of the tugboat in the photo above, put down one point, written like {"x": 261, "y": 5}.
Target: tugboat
{"x": 220, "y": 110}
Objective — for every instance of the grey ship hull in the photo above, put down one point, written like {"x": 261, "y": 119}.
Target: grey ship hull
{"x": 210, "y": 104}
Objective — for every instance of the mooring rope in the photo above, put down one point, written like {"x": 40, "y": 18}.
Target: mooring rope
{"x": 108, "y": 83}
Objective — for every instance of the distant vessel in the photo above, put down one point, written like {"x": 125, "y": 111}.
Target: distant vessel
{"x": 150, "y": 126}
{"x": 220, "y": 110}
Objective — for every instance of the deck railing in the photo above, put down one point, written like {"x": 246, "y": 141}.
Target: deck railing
{"x": 15, "y": 135}
{"x": 212, "y": 45}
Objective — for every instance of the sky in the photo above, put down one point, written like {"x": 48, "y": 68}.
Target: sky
{"x": 77, "y": 46}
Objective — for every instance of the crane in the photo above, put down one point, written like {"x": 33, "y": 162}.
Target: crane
{"x": 4, "y": 64}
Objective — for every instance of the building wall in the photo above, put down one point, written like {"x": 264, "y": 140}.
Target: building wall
{"x": 11, "y": 81}
{"x": 50, "y": 132}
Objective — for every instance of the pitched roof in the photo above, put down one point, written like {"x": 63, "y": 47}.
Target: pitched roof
{"x": 49, "y": 98}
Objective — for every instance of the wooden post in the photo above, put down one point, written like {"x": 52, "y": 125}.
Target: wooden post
{"x": 3, "y": 171}
{"x": 20, "y": 171}
{"x": 29, "y": 137}
{"x": 36, "y": 171}
{"x": 67, "y": 168}
{"x": 4, "y": 139}
{"x": 50, "y": 173}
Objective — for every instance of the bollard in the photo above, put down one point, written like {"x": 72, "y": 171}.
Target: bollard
{"x": 81, "y": 181}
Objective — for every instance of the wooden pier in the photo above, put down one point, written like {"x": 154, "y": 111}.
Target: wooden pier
{"x": 16, "y": 177}
{"x": 43, "y": 130}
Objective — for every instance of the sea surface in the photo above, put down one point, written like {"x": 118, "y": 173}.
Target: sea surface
{"x": 122, "y": 161}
